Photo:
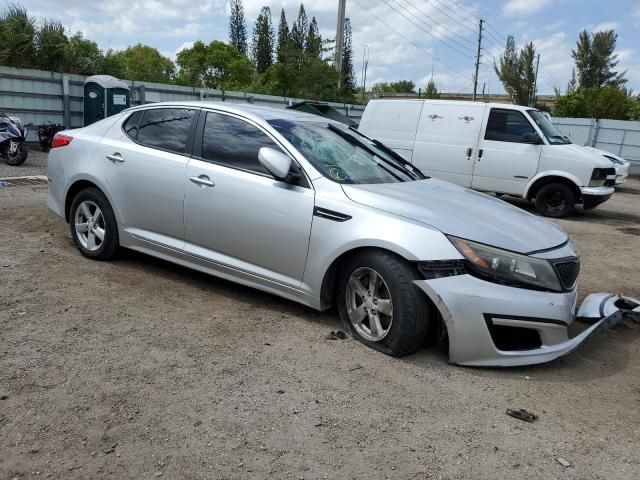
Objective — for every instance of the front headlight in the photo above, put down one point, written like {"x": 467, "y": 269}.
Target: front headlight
{"x": 507, "y": 267}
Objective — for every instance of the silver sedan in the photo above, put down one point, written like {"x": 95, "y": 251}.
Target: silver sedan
{"x": 315, "y": 212}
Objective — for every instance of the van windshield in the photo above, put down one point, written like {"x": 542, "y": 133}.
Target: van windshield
{"x": 549, "y": 129}
{"x": 343, "y": 155}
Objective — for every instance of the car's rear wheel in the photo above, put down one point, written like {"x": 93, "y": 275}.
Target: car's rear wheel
{"x": 379, "y": 304}
{"x": 555, "y": 200}
{"x": 93, "y": 225}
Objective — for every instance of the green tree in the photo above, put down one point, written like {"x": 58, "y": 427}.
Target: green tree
{"x": 401, "y": 86}
{"x": 300, "y": 30}
{"x": 237, "y": 27}
{"x": 263, "y": 41}
{"x": 83, "y": 57}
{"x": 193, "y": 65}
{"x": 52, "y": 46}
{"x": 348, "y": 75}
{"x": 140, "y": 62}
{"x": 608, "y": 102}
{"x": 217, "y": 65}
{"x": 595, "y": 59}
{"x": 517, "y": 72}
{"x": 17, "y": 38}
{"x": 283, "y": 38}
{"x": 313, "y": 43}
{"x": 431, "y": 91}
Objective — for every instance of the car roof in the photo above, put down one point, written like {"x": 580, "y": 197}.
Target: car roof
{"x": 461, "y": 103}
{"x": 245, "y": 109}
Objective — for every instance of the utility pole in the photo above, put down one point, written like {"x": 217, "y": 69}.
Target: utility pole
{"x": 433, "y": 64}
{"x": 340, "y": 39}
{"x": 365, "y": 64}
{"x": 532, "y": 102}
{"x": 475, "y": 77}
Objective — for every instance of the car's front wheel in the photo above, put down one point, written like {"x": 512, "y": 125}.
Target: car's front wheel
{"x": 379, "y": 304}
{"x": 93, "y": 225}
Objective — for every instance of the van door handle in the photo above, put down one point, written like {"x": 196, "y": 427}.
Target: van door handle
{"x": 480, "y": 154}
{"x": 469, "y": 152}
{"x": 115, "y": 158}
{"x": 203, "y": 181}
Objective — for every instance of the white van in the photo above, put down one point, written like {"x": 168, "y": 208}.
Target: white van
{"x": 506, "y": 149}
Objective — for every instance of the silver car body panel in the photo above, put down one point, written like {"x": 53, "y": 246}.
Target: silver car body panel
{"x": 285, "y": 240}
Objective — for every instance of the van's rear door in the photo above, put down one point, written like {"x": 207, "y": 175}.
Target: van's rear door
{"x": 447, "y": 138}
{"x": 393, "y": 122}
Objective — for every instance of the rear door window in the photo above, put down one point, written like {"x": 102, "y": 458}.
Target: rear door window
{"x": 507, "y": 126}
{"x": 166, "y": 128}
{"x": 131, "y": 124}
{"x": 234, "y": 143}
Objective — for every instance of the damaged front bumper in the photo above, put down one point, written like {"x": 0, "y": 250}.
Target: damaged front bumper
{"x": 496, "y": 325}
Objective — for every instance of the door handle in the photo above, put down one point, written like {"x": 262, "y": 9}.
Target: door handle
{"x": 479, "y": 154}
{"x": 469, "y": 152}
{"x": 203, "y": 181}
{"x": 115, "y": 157}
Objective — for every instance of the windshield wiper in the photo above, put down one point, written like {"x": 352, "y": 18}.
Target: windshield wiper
{"x": 392, "y": 153}
{"x": 356, "y": 141}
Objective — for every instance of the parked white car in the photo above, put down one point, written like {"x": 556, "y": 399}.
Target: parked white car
{"x": 620, "y": 164}
{"x": 493, "y": 148}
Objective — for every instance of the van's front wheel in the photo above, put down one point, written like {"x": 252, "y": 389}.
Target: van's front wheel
{"x": 555, "y": 200}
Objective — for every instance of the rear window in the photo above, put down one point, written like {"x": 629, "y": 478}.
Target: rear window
{"x": 131, "y": 124}
{"x": 166, "y": 128}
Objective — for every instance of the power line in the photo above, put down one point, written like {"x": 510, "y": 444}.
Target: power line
{"x": 386, "y": 2}
{"x": 408, "y": 40}
{"x": 438, "y": 24}
{"x": 473, "y": 22}
{"x": 452, "y": 17}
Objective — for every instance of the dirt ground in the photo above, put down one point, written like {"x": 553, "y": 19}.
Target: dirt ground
{"x": 141, "y": 369}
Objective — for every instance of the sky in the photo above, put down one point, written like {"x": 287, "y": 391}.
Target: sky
{"x": 402, "y": 36}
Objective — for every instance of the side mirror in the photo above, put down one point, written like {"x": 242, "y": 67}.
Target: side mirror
{"x": 532, "y": 138}
{"x": 274, "y": 162}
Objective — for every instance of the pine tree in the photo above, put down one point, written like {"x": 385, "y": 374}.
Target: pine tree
{"x": 237, "y": 28}
{"x": 313, "y": 43}
{"x": 283, "y": 38}
{"x": 300, "y": 30}
{"x": 595, "y": 59}
{"x": 517, "y": 72}
{"x": 263, "y": 41}
{"x": 348, "y": 73}
{"x": 431, "y": 91}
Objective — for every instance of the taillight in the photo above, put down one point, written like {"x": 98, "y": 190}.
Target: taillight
{"x": 60, "y": 140}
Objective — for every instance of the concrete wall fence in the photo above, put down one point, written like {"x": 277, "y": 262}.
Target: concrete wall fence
{"x": 38, "y": 97}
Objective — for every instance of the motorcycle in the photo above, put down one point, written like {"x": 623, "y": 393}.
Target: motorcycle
{"x": 13, "y": 136}
{"x": 46, "y": 132}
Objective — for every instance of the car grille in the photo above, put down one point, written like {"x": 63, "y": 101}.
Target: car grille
{"x": 568, "y": 272}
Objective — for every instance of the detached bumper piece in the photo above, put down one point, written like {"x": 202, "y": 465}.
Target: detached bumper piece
{"x": 499, "y": 326}
{"x": 598, "y": 306}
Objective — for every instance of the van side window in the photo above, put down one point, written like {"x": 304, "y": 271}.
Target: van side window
{"x": 507, "y": 126}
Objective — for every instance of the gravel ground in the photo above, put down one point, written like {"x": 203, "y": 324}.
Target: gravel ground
{"x": 36, "y": 164}
{"x": 138, "y": 368}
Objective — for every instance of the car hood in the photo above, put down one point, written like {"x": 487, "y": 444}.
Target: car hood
{"x": 461, "y": 212}
{"x": 606, "y": 154}
{"x": 579, "y": 152}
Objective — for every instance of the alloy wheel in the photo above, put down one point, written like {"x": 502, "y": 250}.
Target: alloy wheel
{"x": 369, "y": 304}
{"x": 89, "y": 225}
